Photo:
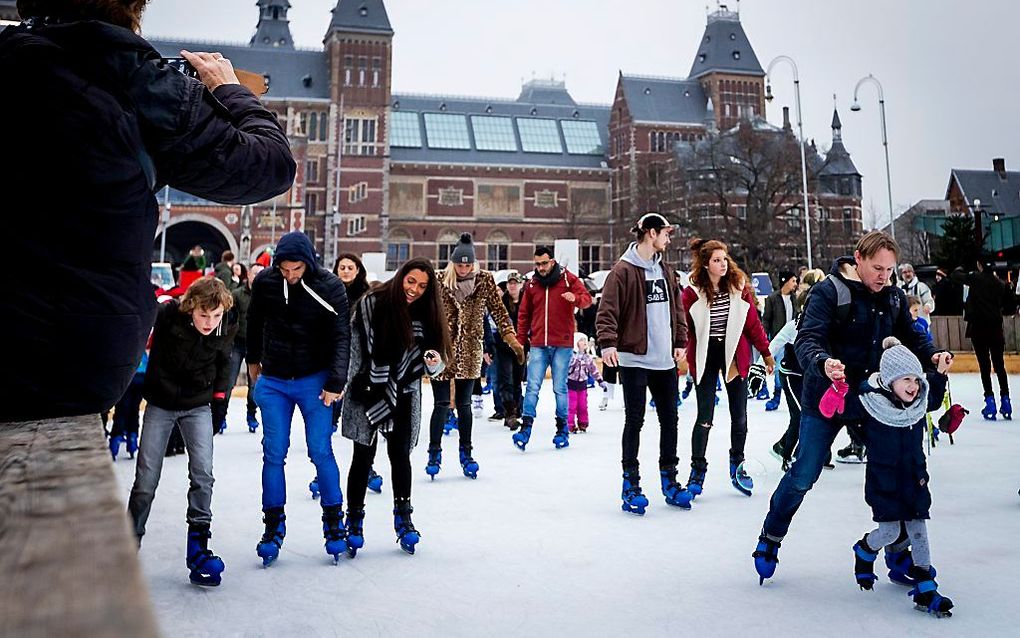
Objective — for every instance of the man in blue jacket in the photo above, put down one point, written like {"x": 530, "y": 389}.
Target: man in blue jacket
{"x": 299, "y": 339}
{"x": 840, "y": 340}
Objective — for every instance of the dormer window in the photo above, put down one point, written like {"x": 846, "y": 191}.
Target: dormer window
{"x": 736, "y": 55}
{"x": 363, "y": 11}
{"x": 701, "y": 57}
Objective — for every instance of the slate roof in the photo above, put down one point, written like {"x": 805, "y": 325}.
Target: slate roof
{"x": 272, "y": 32}
{"x": 522, "y": 107}
{"x": 671, "y": 100}
{"x": 837, "y": 160}
{"x": 287, "y": 68}
{"x": 725, "y": 48}
{"x": 361, "y": 16}
{"x": 979, "y": 184}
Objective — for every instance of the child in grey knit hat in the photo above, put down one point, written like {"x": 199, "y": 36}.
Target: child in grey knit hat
{"x": 895, "y": 401}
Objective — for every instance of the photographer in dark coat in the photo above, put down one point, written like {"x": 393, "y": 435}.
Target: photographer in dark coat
{"x": 98, "y": 124}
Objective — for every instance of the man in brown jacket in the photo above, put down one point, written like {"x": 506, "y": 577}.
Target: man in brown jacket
{"x": 641, "y": 329}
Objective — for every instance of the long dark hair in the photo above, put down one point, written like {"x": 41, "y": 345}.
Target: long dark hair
{"x": 702, "y": 249}
{"x": 243, "y": 277}
{"x": 394, "y": 313}
{"x": 360, "y": 285}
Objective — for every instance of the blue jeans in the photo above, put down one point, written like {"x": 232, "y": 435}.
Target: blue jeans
{"x": 539, "y": 360}
{"x": 816, "y": 437}
{"x": 277, "y": 399}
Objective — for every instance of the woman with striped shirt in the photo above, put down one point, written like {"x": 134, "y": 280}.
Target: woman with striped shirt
{"x": 722, "y": 326}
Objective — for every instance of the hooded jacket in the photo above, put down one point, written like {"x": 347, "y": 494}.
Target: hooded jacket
{"x": 302, "y": 329}
{"x": 622, "y": 320}
{"x": 101, "y": 124}
{"x": 186, "y": 368}
{"x": 856, "y": 340}
{"x": 545, "y": 318}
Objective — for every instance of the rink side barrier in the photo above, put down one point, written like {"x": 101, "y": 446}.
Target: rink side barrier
{"x": 69, "y": 561}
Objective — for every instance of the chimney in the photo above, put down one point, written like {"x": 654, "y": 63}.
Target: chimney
{"x": 786, "y": 119}
{"x": 999, "y": 166}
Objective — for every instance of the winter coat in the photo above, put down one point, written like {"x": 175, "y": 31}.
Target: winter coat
{"x": 621, "y": 322}
{"x": 99, "y": 124}
{"x": 467, "y": 325}
{"x": 581, "y": 367}
{"x": 949, "y": 297}
{"x": 855, "y": 340}
{"x": 743, "y": 330}
{"x": 512, "y": 309}
{"x": 295, "y": 331}
{"x": 356, "y": 424}
{"x": 186, "y": 368}
{"x": 986, "y": 298}
{"x": 896, "y": 478}
{"x": 242, "y": 302}
{"x": 919, "y": 289}
{"x": 774, "y": 317}
{"x": 545, "y": 318}
{"x": 225, "y": 273}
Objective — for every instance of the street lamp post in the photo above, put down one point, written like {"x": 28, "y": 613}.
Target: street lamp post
{"x": 800, "y": 133}
{"x": 855, "y": 107}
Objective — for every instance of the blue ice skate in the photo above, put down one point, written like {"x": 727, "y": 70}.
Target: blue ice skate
{"x": 333, "y": 531}
{"x": 115, "y": 443}
{"x": 766, "y": 558}
{"x": 925, "y": 593}
{"x": 132, "y": 444}
{"x": 434, "y": 463}
{"x": 407, "y": 535}
{"x": 468, "y": 464}
{"x": 522, "y": 436}
{"x": 633, "y": 500}
{"x": 205, "y": 566}
{"x": 451, "y": 422}
{"x": 355, "y": 531}
{"x": 989, "y": 410}
{"x": 268, "y": 548}
{"x": 696, "y": 482}
{"x": 313, "y": 487}
{"x": 675, "y": 493}
{"x": 375, "y": 482}
{"x": 562, "y": 438}
{"x": 1005, "y": 408}
{"x": 740, "y": 479}
{"x": 253, "y": 423}
{"x": 864, "y": 564}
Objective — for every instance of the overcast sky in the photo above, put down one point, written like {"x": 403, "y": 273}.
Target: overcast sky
{"x": 949, "y": 67}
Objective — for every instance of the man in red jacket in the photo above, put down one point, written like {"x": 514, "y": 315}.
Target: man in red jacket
{"x": 546, "y": 321}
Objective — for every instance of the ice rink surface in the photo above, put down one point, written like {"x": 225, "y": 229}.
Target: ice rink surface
{"x": 538, "y": 545}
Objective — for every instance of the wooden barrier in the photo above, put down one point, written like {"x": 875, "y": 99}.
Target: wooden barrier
{"x": 68, "y": 558}
{"x": 949, "y": 333}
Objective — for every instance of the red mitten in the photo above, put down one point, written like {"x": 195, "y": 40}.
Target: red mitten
{"x": 834, "y": 399}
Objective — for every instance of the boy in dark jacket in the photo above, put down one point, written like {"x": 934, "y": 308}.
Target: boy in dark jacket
{"x": 188, "y": 369}
{"x": 894, "y": 402}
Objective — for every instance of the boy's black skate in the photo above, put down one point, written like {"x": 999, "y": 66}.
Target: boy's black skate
{"x": 864, "y": 564}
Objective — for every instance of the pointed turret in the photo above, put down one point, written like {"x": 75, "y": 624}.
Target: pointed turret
{"x": 360, "y": 16}
{"x": 273, "y": 29}
{"x": 839, "y": 174}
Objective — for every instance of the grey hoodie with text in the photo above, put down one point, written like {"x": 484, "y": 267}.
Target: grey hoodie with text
{"x": 660, "y": 332}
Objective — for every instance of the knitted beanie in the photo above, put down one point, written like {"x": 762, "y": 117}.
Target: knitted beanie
{"x": 464, "y": 253}
{"x": 897, "y": 362}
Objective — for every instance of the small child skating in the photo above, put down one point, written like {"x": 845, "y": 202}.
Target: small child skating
{"x": 895, "y": 401}
{"x": 921, "y": 325}
{"x": 189, "y": 366}
{"x": 581, "y": 367}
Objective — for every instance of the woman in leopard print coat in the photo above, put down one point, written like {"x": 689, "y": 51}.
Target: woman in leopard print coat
{"x": 468, "y": 293}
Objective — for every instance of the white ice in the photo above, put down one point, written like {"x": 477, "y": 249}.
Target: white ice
{"x": 538, "y": 545}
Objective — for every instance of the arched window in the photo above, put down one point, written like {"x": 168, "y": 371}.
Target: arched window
{"x": 398, "y": 249}
{"x": 445, "y": 243}
{"x": 497, "y": 251}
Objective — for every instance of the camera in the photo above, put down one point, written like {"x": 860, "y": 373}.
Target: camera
{"x": 181, "y": 65}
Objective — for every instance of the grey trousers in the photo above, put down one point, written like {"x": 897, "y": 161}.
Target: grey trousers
{"x": 917, "y": 535}
{"x": 196, "y": 429}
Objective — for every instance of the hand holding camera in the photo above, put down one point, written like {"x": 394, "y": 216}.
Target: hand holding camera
{"x": 213, "y": 69}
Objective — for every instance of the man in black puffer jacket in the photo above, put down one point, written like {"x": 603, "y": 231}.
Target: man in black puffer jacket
{"x": 96, "y": 123}
{"x": 299, "y": 338}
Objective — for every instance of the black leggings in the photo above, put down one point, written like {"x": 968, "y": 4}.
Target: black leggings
{"x": 398, "y": 448}
{"x": 663, "y": 386}
{"x": 510, "y": 377}
{"x": 736, "y": 394}
{"x": 989, "y": 356}
{"x": 125, "y": 416}
{"x": 441, "y": 393}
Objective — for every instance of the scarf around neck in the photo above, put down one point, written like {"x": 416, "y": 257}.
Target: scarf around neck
{"x": 550, "y": 279}
{"x": 884, "y": 407}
